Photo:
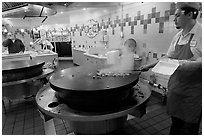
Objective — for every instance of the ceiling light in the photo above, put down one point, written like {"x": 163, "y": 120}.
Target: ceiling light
{"x": 5, "y": 30}
{"x": 22, "y": 30}
{"x": 26, "y": 9}
{"x": 84, "y": 9}
{"x": 66, "y": 4}
{"x": 61, "y": 12}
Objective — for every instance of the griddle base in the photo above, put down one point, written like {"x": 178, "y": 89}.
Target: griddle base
{"x": 91, "y": 122}
{"x": 97, "y": 127}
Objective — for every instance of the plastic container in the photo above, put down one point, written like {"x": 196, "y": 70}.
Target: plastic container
{"x": 113, "y": 57}
{"x": 137, "y": 63}
{"x": 164, "y": 69}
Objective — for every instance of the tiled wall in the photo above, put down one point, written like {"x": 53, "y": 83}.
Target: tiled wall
{"x": 150, "y": 24}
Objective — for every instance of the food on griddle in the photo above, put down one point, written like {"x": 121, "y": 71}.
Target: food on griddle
{"x": 112, "y": 74}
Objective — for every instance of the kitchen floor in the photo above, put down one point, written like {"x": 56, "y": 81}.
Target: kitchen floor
{"x": 23, "y": 118}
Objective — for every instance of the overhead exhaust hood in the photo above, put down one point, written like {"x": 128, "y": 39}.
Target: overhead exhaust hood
{"x": 27, "y": 10}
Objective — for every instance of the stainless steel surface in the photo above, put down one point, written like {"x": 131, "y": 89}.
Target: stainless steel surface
{"x": 26, "y": 87}
{"x": 21, "y": 69}
{"x": 48, "y": 103}
{"x": 46, "y": 72}
{"x": 13, "y": 65}
{"x": 22, "y": 10}
{"x": 10, "y": 5}
{"x": 91, "y": 123}
{"x": 43, "y": 9}
{"x": 97, "y": 127}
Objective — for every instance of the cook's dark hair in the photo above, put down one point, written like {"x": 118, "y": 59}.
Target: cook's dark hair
{"x": 132, "y": 40}
{"x": 189, "y": 9}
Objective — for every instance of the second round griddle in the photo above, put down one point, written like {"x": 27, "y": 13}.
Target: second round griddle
{"x": 21, "y": 69}
{"x": 19, "y": 64}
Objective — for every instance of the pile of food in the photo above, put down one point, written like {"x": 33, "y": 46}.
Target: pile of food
{"x": 111, "y": 72}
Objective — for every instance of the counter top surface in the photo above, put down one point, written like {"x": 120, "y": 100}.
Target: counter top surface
{"x": 31, "y": 53}
{"x": 38, "y": 53}
{"x": 80, "y": 49}
{"x": 136, "y": 57}
{"x": 96, "y": 56}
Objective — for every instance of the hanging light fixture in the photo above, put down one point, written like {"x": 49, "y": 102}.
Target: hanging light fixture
{"x": 122, "y": 33}
{"x": 22, "y": 30}
{"x": 5, "y": 30}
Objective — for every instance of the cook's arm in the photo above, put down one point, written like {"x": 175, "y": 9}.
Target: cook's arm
{"x": 187, "y": 65}
{"x": 169, "y": 54}
{"x": 147, "y": 67}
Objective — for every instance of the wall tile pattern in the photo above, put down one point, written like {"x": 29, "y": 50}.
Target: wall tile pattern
{"x": 134, "y": 21}
{"x": 153, "y": 28}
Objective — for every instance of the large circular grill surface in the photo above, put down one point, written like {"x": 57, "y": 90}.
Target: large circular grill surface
{"x": 22, "y": 69}
{"x": 80, "y": 89}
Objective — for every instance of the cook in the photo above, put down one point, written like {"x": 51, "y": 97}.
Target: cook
{"x": 13, "y": 44}
{"x": 184, "y": 96}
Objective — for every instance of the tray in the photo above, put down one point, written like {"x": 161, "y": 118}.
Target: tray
{"x": 164, "y": 69}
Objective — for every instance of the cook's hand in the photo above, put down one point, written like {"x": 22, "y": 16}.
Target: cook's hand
{"x": 144, "y": 68}
{"x": 186, "y": 65}
{"x": 182, "y": 62}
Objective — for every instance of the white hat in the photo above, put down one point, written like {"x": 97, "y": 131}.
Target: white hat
{"x": 195, "y": 5}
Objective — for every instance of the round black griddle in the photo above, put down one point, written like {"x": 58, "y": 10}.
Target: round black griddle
{"x": 81, "y": 89}
{"x": 22, "y": 69}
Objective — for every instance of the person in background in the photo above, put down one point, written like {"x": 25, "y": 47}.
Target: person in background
{"x": 13, "y": 44}
{"x": 47, "y": 45}
{"x": 130, "y": 45}
{"x": 184, "y": 96}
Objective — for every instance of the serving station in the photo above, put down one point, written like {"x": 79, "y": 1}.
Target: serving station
{"x": 47, "y": 55}
{"x": 93, "y": 103}
{"x": 100, "y": 56}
